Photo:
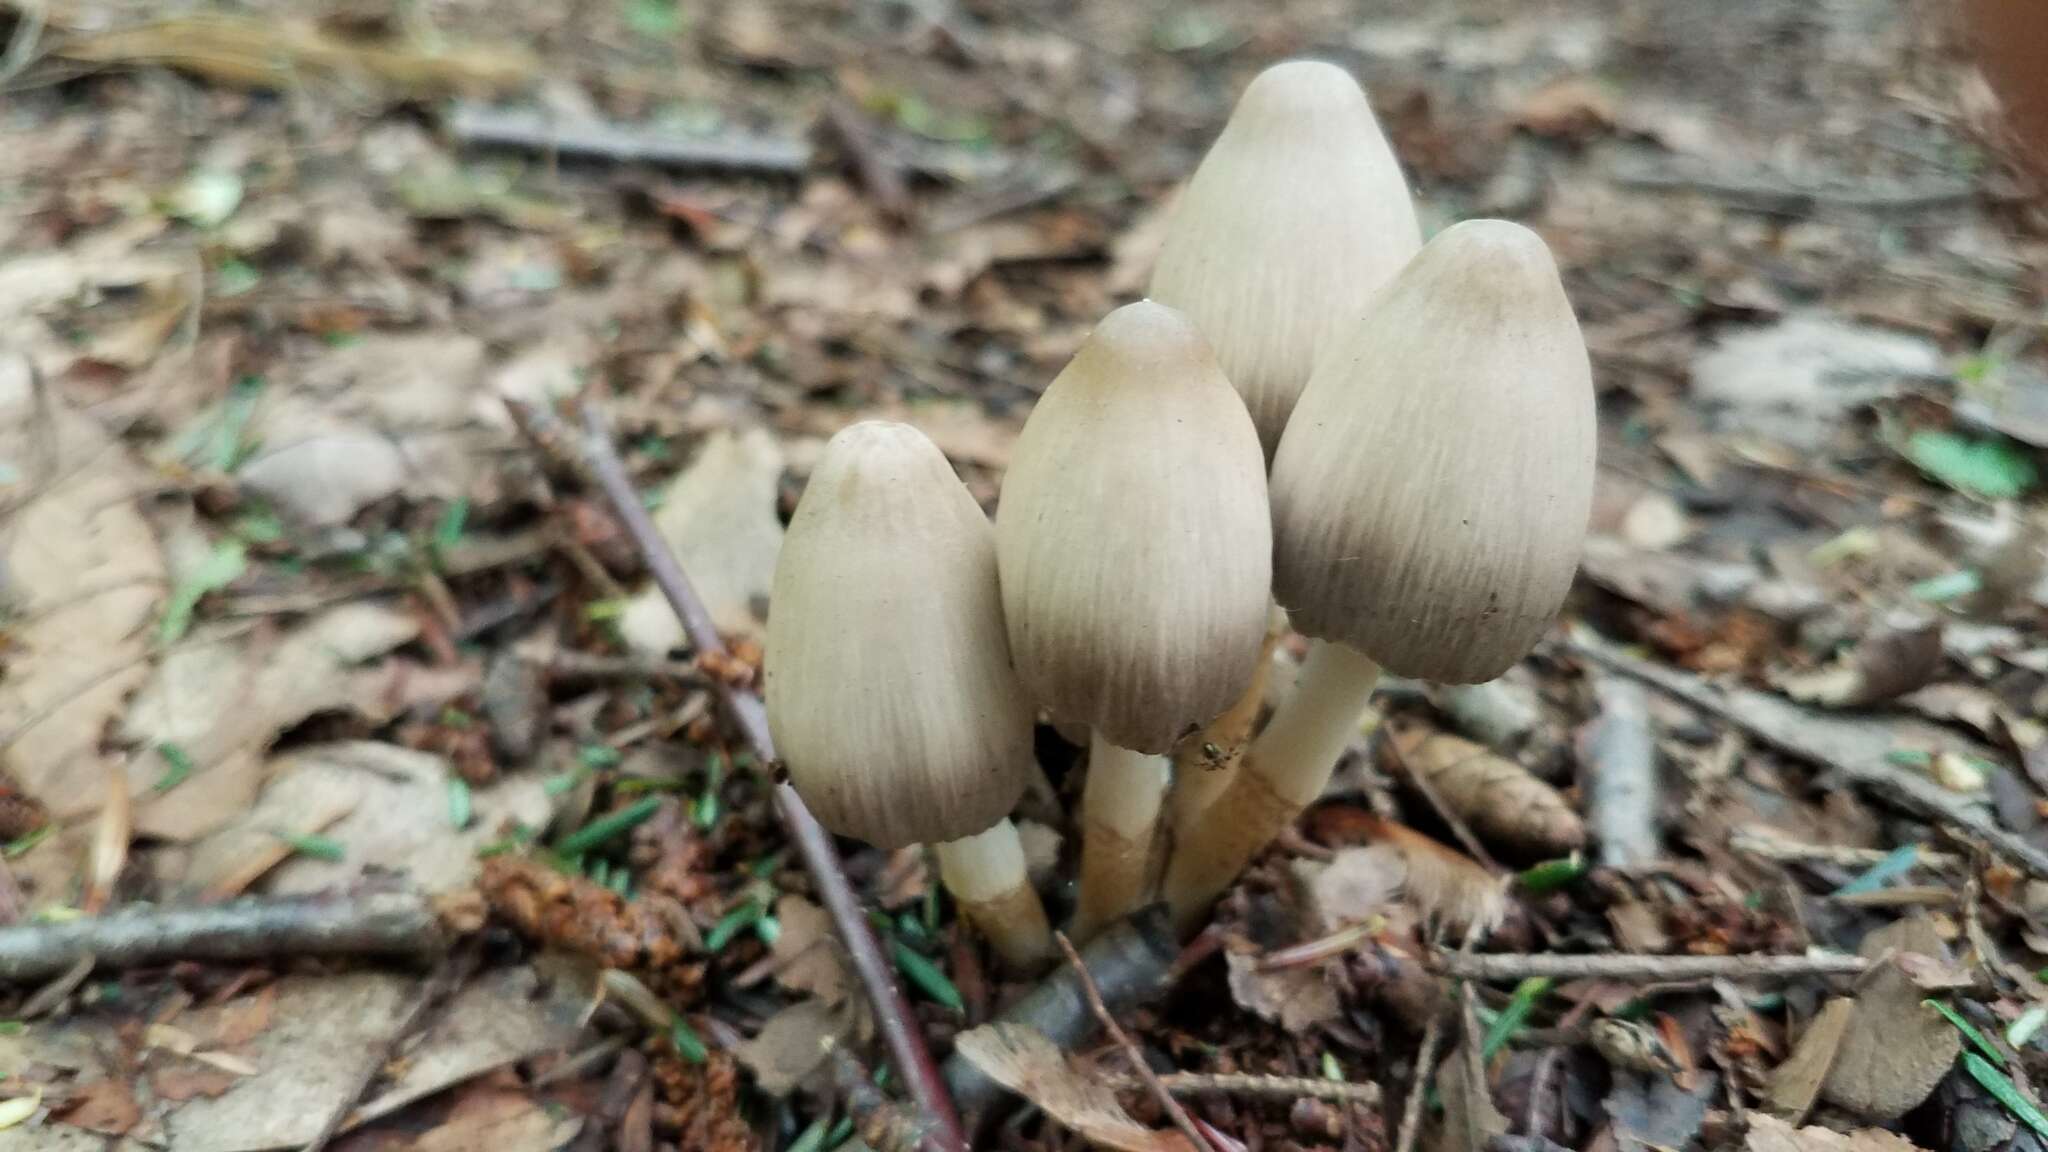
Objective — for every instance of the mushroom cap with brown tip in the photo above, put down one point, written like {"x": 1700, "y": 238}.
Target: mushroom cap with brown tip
{"x": 1296, "y": 216}
{"x": 1431, "y": 494}
{"x": 889, "y": 687}
{"x": 1134, "y": 535}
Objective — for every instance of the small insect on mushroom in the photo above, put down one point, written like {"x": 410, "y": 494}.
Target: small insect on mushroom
{"x": 1296, "y": 216}
{"x": 889, "y": 687}
{"x": 1430, "y": 498}
{"x": 1134, "y": 541}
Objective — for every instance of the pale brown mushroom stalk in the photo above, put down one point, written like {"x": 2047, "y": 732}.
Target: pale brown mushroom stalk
{"x": 1430, "y": 499}
{"x": 1297, "y": 215}
{"x": 889, "y": 686}
{"x": 1134, "y": 542}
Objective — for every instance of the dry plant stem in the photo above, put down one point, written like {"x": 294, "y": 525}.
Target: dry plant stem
{"x": 391, "y": 924}
{"x": 1766, "y": 843}
{"x": 986, "y": 874}
{"x": 1253, "y": 1086}
{"x": 531, "y": 131}
{"x": 1119, "y": 820}
{"x": 1199, "y": 777}
{"x": 1425, "y": 1062}
{"x": 1546, "y": 1066}
{"x": 1505, "y": 966}
{"x": 1284, "y": 772}
{"x": 1131, "y": 1050}
{"x": 813, "y": 844}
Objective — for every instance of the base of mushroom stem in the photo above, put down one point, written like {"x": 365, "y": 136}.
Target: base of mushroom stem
{"x": 1211, "y": 853}
{"x": 986, "y": 875}
{"x": 1119, "y": 824}
{"x": 1116, "y": 877}
{"x": 1015, "y": 925}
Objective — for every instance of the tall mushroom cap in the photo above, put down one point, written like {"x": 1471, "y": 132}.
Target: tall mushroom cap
{"x": 1134, "y": 535}
{"x": 1296, "y": 216}
{"x": 1431, "y": 495}
{"x": 890, "y": 692}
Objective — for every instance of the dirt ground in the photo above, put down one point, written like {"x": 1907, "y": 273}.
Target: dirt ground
{"x": 306, "y": 586}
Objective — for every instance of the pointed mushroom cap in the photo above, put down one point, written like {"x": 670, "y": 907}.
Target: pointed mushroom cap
{"x": 890, "y": 692}
{"x": 1134, "y": 535}
{"x": 1296, "y": 216}
{"x": 1430, "y": 497}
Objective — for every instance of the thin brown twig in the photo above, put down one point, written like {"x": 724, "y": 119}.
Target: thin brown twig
{"x": 1253, "y": 1085}
{"x": 899, "y": 1028}
{"x": 1546, "y": 1066}
{"x": 1425, "y": 1060}
{"x": 1144, "y": 1071}
{"x": 1507, "y": 966}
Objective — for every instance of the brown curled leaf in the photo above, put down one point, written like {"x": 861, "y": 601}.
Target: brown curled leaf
{"x": 1502, "y": 802}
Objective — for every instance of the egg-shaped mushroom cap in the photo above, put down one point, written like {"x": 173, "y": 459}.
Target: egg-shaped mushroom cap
{"x": 890, "y": 692}
{"x": 1134, "y": 536}
{"x": 1431, "y": 494}
{"x": 1296, "y": 216}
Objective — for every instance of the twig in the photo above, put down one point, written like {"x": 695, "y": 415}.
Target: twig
{"x": 1847, "y": 746}
{"x": 395, "y": 924}
{"x": 882, "y": 1125}
{"x": 1546, "y": 1066}
{"x": 1766, "y": 843}
{"x": 878, "y": 171}
{"x": 1425, "y": 1060}
{"x": 573, "y": 664}
{"x": 892, "y": 1012}
{"x": 533, "y": 131}
{"x": 1253, "y": 1085}
{"x": 1144, "y": 1072}
{"x": 1620, "y": 749}
{"x": 1130, "y": 963}
{"x": 1506, "y": 966}
{"x": 1784, "y": 198}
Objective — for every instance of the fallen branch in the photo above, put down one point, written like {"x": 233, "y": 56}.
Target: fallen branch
{"x": 1766, "y": 843}
{"x": 1788, "y": 199}
{"x": 1128, "y": 964}
{"x": 1425, "y": 1063}
{"x": 893, "y": 1017}
{"x": 1146, "y": 1076}
{"x": 1844, "y": 744}
{"x": 530, "y": 130}
{"x": 1254, "y": 1086}
{"x": 391, "y": 924}
{"x": 1499, "y": 967}
{"x": 1620, "y": 749}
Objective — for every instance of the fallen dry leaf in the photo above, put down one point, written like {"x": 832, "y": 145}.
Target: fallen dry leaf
{"x": 500, "y": 1119}
{"x": 1898, "y": 657}
{"x": 1445, "y": 885}
{"x": 107, "y": 1106}
{"x": 1572, "y": 108}
{"x": 222, "y": 697}
{"x": 719, "y": 518}
{"x": 1470, "y": 1120}
{"x": 1894, "y": 1050}
{"x": 807, "y": 950}
{"x": 84, "y": 576}
{"x": 1024, "y": 1061}
{"x": 1297, "y": 998}
{"x": 1498, "y": 797}
{"x": 792, "y": 1045}
{"x": 1356, "y": 885}
{"x": 1795, "y": 1084}
{"x": 180, "y": 1080}
{"x": 1770, "y": 1134}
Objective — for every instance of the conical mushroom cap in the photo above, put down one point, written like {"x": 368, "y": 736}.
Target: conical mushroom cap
{"x": 1296, "y": 216}
{"x": 1134, "y": 535}
{"x": 1431, "y": 495}
{"x": 890, "y": 692}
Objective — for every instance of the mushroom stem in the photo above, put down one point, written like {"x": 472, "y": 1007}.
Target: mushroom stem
{"x": 1119, "y": 817}
{"x": 1203, "y": 767}
{"x": 985, "y": 873}
{"x": 1284, "y": 772}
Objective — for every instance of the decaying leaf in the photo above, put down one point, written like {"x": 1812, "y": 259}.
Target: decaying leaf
{"x": 1770, "y": 1134}
{"x": 1894, "y": 1050}
{"x": 106, "y": 1106}
{"x": 1652, "y": 1110}
{"x": 793, "y": 1044}
{"x": 501, "y": 1120}
{"x": 1024, "y": 1061}
{"x": 1357, "y": 884}
{"x": 1445, "y": 885}
{"x": 1502, "y": 802}
{"x": 1795, "y": 1084}
{"x": 84, "y": 575}
{"x": 1898, "y": 657}
{"x": 718, "y": 516}
{"x": 1470, "y": 1120}
{"x": 806, "y": 950}
{"x": 1297, "y": 998}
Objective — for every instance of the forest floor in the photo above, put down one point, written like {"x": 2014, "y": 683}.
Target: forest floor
{"x": 294, "y": 605}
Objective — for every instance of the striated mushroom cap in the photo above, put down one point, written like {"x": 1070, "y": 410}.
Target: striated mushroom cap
{"x": 1296, "y": 216}
{"x": 1431, "y": 494}
{"x": 890, "y": 692}
{"x": 1134, "y": 536}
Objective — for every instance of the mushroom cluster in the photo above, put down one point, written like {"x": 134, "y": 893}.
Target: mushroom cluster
{"x": 1316, "y": 412}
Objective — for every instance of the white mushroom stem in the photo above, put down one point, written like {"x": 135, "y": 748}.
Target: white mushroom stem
{"x": 1119, "y": 821}
{"x": 1286, "y": 769}
{"x": 1203, "y": 766}
{"x": 986, "y": 874}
